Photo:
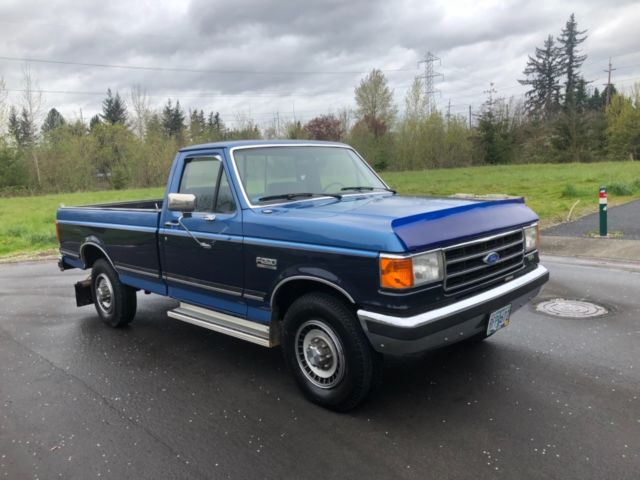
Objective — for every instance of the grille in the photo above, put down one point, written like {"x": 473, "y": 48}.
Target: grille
{"x": 465, "y": 267}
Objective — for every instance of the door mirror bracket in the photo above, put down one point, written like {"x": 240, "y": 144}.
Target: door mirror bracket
{"x": 185, "y": 203}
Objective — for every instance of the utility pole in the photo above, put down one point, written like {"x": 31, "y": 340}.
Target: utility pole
{"x": 448, "y": 111}
{"x": 608, "y": 85}
{"x": 469, "y": 117}
{"x": 429, "y": 74}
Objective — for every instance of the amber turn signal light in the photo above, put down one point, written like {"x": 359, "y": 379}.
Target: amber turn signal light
{"x": 396, "y": 272}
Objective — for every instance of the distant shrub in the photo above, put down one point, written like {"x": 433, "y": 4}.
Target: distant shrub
{"x": 636, "y": 185}
{"x": 570, "y": 191}
{"x": 619, "y": 188}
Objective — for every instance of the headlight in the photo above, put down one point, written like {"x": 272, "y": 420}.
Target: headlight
{"x": 531, "y": 236}
{"x": 407, "y": 272}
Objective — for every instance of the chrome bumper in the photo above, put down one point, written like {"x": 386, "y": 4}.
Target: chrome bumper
{"x": 451, "y": 323}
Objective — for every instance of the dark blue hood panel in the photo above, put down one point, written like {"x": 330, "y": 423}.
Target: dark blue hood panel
{"x": 458, "y": 224}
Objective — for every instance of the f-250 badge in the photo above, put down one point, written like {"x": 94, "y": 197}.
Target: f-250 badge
{"x": 263, "y": 262}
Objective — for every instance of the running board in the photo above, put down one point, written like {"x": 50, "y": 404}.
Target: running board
{"x": 221, "y": 322}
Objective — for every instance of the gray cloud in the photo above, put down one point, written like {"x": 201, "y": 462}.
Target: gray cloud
{"x": 265, "y": 43}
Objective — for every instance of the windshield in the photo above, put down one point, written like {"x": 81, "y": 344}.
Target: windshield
{"x": 276, "y": 174}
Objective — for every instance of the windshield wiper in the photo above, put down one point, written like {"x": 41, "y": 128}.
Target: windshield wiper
{"x": 291, "y": 196}
{"x": 360, "y": 189}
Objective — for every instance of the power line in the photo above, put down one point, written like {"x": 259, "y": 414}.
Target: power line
{"x": 182, "y": 95}
{"x": 193, "y": 70}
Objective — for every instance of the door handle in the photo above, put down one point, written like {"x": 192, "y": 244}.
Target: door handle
{"x": 171, "y": 224}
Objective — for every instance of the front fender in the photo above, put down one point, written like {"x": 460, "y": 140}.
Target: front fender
{"x": 313, "y": 274}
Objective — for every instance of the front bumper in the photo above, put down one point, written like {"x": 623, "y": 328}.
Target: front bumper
{"x": 451, "y": 323}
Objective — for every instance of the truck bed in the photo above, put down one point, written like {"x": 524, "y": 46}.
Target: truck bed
{"x": 126, "y": 231}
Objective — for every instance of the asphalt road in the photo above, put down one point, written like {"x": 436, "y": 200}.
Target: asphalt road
{"x": 545, "y": 398}
{"x": 623, "y": 218}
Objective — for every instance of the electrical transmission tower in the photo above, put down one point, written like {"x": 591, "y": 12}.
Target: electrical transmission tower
{"x": 428, "y": 76}
{"x": 608, "y": 86}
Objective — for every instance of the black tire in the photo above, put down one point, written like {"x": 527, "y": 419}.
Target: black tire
{"x": 346, "y": 367}
{"x": 115, "y": 303}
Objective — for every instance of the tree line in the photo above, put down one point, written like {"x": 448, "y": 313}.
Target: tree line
{"x": 562, "y": 118}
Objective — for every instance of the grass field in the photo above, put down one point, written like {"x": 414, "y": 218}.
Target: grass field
{"x": 549, "y": 189}
{"x": 27, "y": 223}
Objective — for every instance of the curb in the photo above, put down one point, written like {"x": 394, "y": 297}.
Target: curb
{"x": 600, "y": 248}
{"x": 46, "y": 255}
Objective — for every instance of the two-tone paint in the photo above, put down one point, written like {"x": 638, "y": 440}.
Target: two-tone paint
{"x": 324, "y": 243}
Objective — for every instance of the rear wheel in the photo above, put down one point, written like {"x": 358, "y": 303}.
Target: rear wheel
{"x": 328, "y": 353}
{"x": 115, "y": 303}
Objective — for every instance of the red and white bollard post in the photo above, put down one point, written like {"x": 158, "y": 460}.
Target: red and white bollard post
{"x": 603, "y": 200}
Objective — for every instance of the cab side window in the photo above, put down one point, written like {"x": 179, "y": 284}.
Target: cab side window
{"x": 204, "y": 177}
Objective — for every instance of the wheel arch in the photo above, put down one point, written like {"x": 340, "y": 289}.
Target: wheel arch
{"x": 91, "y": 251}
{"x": 291, "y": 288}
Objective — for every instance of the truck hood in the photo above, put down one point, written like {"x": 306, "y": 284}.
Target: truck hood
{"x": 391, "y": 223}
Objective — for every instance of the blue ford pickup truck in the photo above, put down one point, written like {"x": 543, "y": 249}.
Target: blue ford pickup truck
{"x": 301, "y": 244}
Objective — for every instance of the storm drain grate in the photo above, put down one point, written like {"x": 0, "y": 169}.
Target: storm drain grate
{"x": 559, "y": 307}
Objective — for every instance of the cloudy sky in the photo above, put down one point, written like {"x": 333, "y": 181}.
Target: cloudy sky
{"x": 294, "y": 58}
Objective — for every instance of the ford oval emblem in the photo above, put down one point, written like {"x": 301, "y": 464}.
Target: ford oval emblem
{"x": 491, "y": 258}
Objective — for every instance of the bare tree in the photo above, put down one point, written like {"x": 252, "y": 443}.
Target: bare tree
{"x": 345, "y": 115}
{"x": 141, "y": 110}
{"x": 3, "y": 107}
{"x": 32, "y": 110}
{"x": 415, "y": 102}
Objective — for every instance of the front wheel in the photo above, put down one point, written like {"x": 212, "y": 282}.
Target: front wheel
{"x": 115, "y": 303}
{"x": 328, "y": 353}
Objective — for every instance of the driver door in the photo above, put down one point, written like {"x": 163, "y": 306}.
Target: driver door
{"x": 211, "y": 277}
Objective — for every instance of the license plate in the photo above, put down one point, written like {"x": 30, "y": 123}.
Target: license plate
{"x": 498, "y": 319}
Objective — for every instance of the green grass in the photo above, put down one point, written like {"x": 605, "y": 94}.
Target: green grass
{"x": 549, "y": 189}
{"x": 27, "y": 223}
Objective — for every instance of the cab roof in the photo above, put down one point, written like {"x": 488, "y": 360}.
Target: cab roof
{"x": 258, "y": 143}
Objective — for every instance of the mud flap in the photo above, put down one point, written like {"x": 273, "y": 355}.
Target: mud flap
{"x": 84, "y": 295}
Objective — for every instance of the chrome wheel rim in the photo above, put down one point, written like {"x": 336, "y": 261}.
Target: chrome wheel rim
{"x": 104, "y": 293}
{"x": 320, "y": 354}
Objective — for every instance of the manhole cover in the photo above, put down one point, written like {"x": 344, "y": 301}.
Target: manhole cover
{"x": 560, "y": 307}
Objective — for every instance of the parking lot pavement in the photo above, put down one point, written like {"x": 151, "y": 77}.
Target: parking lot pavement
{"x": 547, "y": 397}
{"x": 623, "y": 220}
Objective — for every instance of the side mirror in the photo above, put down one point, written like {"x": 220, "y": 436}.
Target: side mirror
{"x": 182, "y": 202}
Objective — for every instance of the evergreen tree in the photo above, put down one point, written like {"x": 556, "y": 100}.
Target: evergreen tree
{"x": 215, "y": 126}
{"x": 172, "y": 119}
{"x": 570, "y": 39}
{"x": 21, "y": 128}
{"x": 53, "y": 120}
{"x": 596, "y": 101}
{"x": 495, "y": 139}
{"x": 114, "y": 110}
{"x": 94, "y": 122}
{"x": 543, "y": 72}
{"x": 197, "y": 126}
{"x": 14, "y": 125}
